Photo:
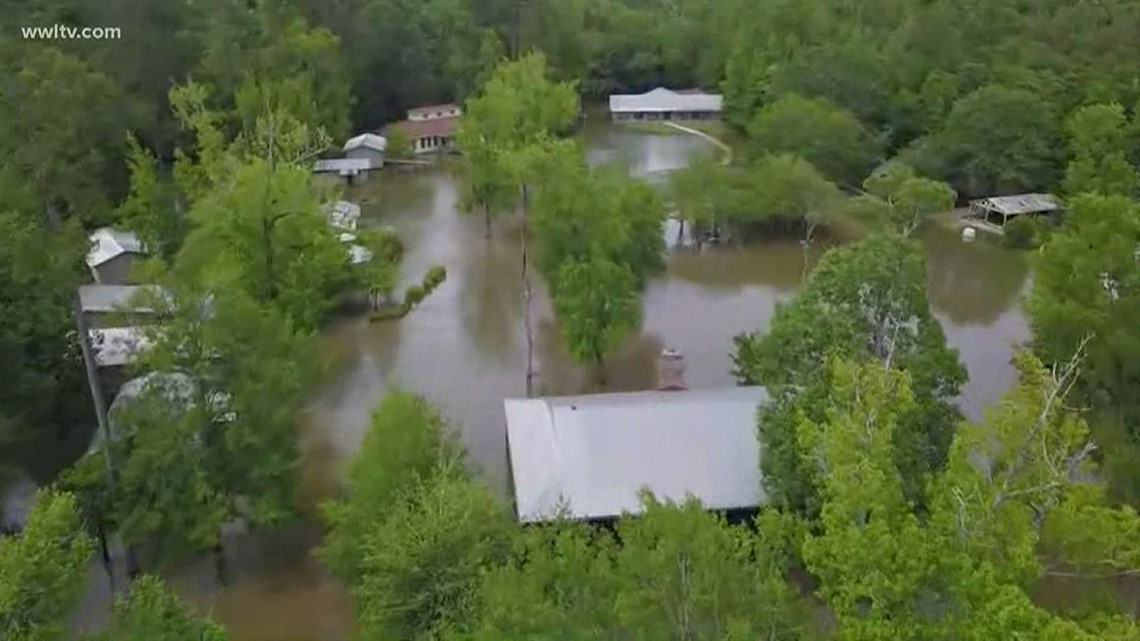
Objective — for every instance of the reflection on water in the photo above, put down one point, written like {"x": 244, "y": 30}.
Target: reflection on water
{"x": 464, "y": 348}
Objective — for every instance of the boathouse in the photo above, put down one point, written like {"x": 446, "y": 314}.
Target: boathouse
{"x": 666, "y": 104}
{"x": 999, "y": 210}
{"x": 431, "y": 129}
{"x": 588, "y": 457}
{"x": 371, "y": 147}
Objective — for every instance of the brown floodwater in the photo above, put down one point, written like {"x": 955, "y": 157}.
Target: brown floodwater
{"x": 464, "y": 348}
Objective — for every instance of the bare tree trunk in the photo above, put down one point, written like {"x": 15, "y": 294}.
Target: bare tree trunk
{"x": 681, "y": 233}
{"x": 220, "y": 562}
{"x": 809, "y": 230}
{"x": 527, "y": 295}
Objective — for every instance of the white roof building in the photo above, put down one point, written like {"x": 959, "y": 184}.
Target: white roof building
{"x": 591, "y": 455}
{"x": 108, "y": 244}
{"x": 343, "y": 215}
{"x": 662, "y": 100}
{"x": 374, "y": 142}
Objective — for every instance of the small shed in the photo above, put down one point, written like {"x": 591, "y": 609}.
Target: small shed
{"x": 591, "y": 455}
{"x": 666, "y": 104}
{"x": 1001, "y": 209}
{"x": 111, "y": 254}
{"x": 371, "y": 147}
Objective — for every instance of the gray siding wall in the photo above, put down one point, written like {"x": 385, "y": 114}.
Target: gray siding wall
{"x": 116, "y": 271}
{"x": 376, "y": 157}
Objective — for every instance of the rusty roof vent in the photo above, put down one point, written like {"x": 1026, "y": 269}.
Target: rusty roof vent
{"x": 671, "y": 371}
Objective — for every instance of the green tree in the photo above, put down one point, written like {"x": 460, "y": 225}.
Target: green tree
{"x": 151, "y": 208}
{"x": 381, "y": 274}
{"x": 399, "y": 143}
{"x": 516, "y": 114}
{"x": 270, "y": 59}
{"x": 598, "y": 306}
{"x": 62, "y": 127}
{"x": 862, "y": 302}
{"x": 423, "y": 563}
{"x": 489, "y": 187}
{"x": 43, "y": 571}
{"x": 1099, "y": 146}
{"x": 39, "y": 271}
{"x": 904, "y": 200}
{"x": 1086, "y": 290}
{"x": 152, "y": 613}
{"x": 996, "y": 140}
{"x": 785, "y": 187}
{"x": 559, "y": 580}
{"x": 828, "y": 137}
{"x": 406, "y": 442}
{"x": 209, "y": 436}
{"x": 685, "y": 574}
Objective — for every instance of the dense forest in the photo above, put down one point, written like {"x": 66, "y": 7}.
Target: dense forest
{"x": 890, "y": 516}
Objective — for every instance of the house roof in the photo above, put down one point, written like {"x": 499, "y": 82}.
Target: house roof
{"x": 662, "y": 99}
{"x": 592, "y": 454}
{"x": 1020, "y": 204}
{"x": 370, "y": 141}
{"x": 108, "y": 244}
{"x": 343, "y": 215}
{"x": 116, "y": 346}
{"x": 342, "y": 166}
{"x": 105, "y": 299}
{"x": 434, "y": 127}
{"x": 430, "y": 109}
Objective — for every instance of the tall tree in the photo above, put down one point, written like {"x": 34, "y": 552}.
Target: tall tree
{"x": 863, "y": 302}
{"x": 785, "y": 187}
{"x": 902, "y": 200}
{"x": 152, "y": 613}
{"x": 43, "y": 571}
{"x": 415, "y": 533}
{"x": 39, "y": 271}
{"x": 1086, "y": 290}
{"x": 516, "y": 114}
{"x": 407, "y": 440}
{"x": 996, "y": 140}
{"x": 826, "y": 136}
{"x": 1098, "y": 142}
{"x": 597, "y": 304}
{"x": 62, "y": 129}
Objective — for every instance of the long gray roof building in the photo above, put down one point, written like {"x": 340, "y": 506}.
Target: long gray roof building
{"x": 588, "y": 457}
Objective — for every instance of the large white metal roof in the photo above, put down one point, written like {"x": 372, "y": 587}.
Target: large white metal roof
{"x": 665, "y": 100}
{"x": 591, "y": 455}
{"x": 107, "y": 244}
{"x": 375, "y": 142}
